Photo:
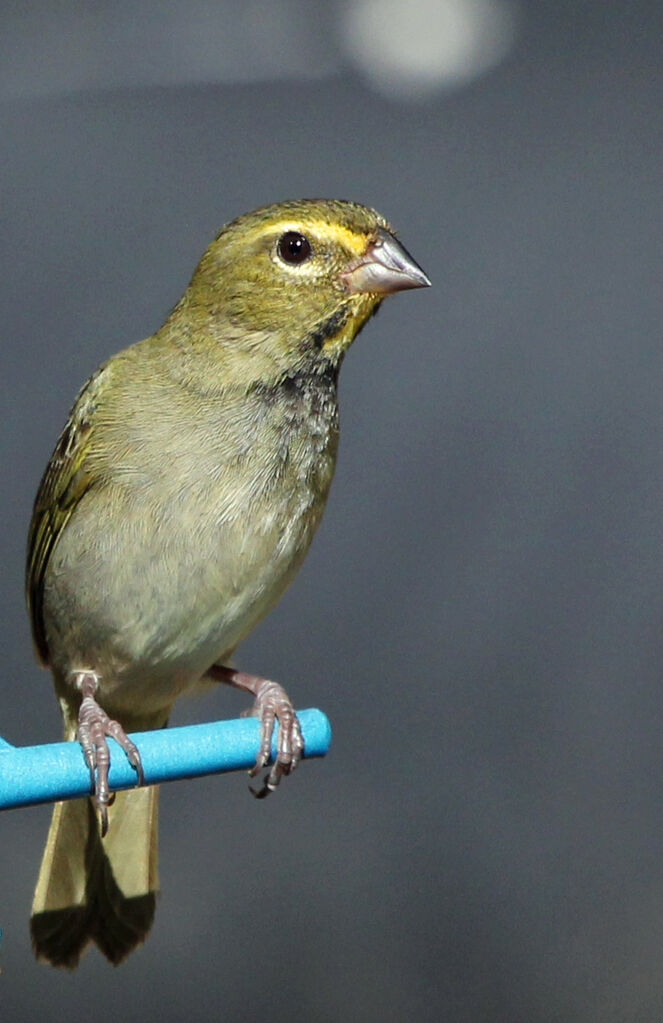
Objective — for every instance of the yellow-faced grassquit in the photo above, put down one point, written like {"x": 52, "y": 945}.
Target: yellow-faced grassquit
{"x": 178, "y": 504}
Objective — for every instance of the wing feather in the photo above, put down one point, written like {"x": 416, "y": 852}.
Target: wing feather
{"x": 65, "y": 481}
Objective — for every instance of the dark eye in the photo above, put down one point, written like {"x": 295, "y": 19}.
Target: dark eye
{"x": 294, "y": 248}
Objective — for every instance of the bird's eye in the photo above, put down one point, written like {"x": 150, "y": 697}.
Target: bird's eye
{"x": 294, "y": 248}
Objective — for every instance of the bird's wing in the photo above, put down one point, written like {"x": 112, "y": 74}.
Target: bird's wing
{"x": 65, "y": 481}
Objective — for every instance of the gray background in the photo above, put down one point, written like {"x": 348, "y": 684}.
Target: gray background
{"x": 480, "y": 615}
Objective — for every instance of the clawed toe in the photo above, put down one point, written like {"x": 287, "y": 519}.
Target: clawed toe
{"x": 94, "y": 725}
{"x": 117, "y": 732}
{"x": 273, "y": 776}
{"x": 272, "y": 704}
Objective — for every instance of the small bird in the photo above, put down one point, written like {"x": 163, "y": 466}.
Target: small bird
{"x": 179, "y": 502}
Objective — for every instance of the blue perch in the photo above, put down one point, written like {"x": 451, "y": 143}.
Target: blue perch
{"x": 44, "y": 774}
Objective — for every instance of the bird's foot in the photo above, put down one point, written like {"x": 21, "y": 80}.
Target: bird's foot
{"x": 94, "y": 725}
{"x": 271, "y": 704}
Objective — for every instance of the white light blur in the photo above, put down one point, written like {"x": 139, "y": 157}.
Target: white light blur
{"x": 414, "y": 48}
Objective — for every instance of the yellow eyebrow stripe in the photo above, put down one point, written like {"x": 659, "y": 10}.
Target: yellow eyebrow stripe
{"x": 322, "y": 229}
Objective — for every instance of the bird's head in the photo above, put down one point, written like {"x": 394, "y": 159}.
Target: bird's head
{"x": 294, "y": 282}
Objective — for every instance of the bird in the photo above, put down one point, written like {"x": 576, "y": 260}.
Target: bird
{"x": 178, "y": 504}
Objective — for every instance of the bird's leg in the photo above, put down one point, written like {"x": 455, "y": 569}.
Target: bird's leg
{"x": 271, "y": 703}
{"x": 94, "y": 725}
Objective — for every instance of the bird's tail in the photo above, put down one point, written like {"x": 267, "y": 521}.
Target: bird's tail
{"x": 97, "y": 889}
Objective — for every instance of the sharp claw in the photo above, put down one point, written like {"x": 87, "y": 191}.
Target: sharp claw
{"x": 103, "y": 818}
{"x": 268, "y": 785}
{"x": 260, "y": 793}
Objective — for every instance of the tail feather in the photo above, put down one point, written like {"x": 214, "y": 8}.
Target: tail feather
{"x": 94, "y": 889}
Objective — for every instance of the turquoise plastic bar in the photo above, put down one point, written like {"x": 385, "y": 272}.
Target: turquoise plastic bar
{"x": 44, "y": 774}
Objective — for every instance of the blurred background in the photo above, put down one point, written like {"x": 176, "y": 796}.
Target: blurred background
{"x": 480, "y": 614}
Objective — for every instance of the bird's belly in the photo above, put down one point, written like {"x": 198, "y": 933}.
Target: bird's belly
{"x": 153, "y": 602}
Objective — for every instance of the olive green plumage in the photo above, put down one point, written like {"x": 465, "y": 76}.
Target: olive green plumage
{"x": 179, "y": 502}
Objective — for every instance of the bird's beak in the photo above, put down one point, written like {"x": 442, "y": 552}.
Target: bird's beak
{"x": 385, "y": 267}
